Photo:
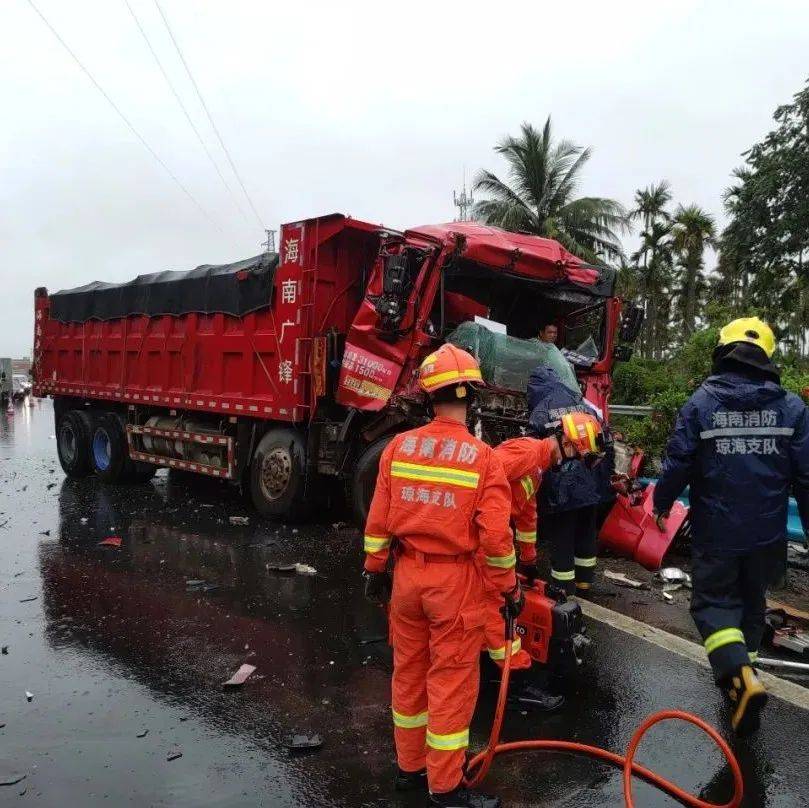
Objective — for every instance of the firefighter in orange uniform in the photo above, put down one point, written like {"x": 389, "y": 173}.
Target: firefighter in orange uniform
{"x": 442, "y": 495}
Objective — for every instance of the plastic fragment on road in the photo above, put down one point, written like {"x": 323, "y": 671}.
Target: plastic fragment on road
{"x": 29, "y": 696}
{"x": 621, "y": 579}
{"x": 239, "y": 520}
{"x": 111, "y": 541}
{"x": 304, "y": 743}
{"x": 143, "y": 733}
{"x": 174, "y": 755}
{"x": 241, "y": 676}
{"x": 305, "y": 569}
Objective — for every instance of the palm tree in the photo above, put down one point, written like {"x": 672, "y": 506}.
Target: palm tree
{"x": 656, "y": 278}
{"x": 650, "y": 208}
{"x": 539, "y": 198}
{"x": 693, "y": 230}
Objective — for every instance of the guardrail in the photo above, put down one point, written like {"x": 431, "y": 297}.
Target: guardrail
{"x": 630, "y": 409}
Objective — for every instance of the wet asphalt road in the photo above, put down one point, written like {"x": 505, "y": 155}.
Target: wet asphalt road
{"x": 116, "y": 644}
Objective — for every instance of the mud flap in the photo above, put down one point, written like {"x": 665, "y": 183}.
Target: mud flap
{"x": 630, "y": 530}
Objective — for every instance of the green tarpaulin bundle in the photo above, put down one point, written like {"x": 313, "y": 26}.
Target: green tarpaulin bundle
{"x": 506, "y": 362}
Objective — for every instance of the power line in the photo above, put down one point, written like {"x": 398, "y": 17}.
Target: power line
{"x": 123, "y": 117}
{"x": 208, "y": 113}
{"x": 183, "y": 108}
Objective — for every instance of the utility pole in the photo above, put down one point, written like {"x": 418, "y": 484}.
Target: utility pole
{"x": 270, "y": 242}
{"x": 464, "y": 202}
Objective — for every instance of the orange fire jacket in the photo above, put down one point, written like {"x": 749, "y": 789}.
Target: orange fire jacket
{"x": 441, "y": 491}
{"x": 524, "y": 460}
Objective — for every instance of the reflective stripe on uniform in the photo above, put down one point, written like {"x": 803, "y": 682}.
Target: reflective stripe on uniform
{"x": 528, "y": 486}
{"x": 561, "y": 575}
{"x": 500, "y": 653}
{"x": 585, "y": 562}
{"x": 373, "y": 544}
{"x": 502, "y": 561}
{"x": 434, "y": 474}
{"x": 451, "y": 376}
{"x": 591, "y": 434}
{"x": 449, "y": 742}
{"x": 409, "y": 721}
{"x": 527, "y": 536}
{"x": 725, "y": 636}
{"x": 743, "y": 431}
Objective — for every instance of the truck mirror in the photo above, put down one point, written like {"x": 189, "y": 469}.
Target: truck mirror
{"x": 631, "y": 322}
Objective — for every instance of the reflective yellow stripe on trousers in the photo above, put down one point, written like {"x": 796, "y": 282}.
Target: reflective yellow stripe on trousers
{"x": 409, "y": 721}
{"x": 725, "y": 636}
{"x": 450, "y": 742}
{"x": 527, "y": 536}
{"x": 498, "y": 654}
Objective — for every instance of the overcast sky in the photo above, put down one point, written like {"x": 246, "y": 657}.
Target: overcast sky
{"x": 370, "y": 109}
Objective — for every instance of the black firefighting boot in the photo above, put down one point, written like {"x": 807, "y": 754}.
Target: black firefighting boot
{"x": 464, "y": 798}
{"x": 747, "y": 698}
{"x": 410, "y": 781}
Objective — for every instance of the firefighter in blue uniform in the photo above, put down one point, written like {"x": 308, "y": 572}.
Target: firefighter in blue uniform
{"x": 570, "y": 493}
{"x": 741, "y": 442}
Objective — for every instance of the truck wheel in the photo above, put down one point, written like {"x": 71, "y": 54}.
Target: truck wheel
{"x": 108, "y": 450}
{"x": 73, "y": 443}
{"x": 363, "y": 481}
{"x": 278, "y": 474}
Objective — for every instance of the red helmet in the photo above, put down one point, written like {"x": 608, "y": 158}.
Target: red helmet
{"x": 584, "y": 432}
{"x": 448, "y": 367}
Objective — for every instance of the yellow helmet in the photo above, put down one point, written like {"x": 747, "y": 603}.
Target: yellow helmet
{"x": 749, "y": 329}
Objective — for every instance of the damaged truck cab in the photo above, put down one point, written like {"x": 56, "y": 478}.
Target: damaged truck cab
{"x": 287, "y": 374}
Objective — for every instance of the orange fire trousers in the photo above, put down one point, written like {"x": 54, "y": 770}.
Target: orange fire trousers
{"x": 436, "y": 624}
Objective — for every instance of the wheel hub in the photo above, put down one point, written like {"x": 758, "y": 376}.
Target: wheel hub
{"x": 276, "y": 473}
{"x": 68, "y": 442}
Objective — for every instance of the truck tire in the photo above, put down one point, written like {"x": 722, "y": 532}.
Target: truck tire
{"x": 363, "y": 480}
{"x": 108, "y": 450}
{"x": 278, "y": 474}
{"x": 73, "y": 433}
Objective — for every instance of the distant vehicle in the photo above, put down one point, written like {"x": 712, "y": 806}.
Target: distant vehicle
{"x": 287, "y": 375}
{"x": 6, "y": 383}
{"x": 21, "y": 385}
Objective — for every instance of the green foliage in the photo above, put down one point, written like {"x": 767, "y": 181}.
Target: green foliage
{"x": 538, "y": 196}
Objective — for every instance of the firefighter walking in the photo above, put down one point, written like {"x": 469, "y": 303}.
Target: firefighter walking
{"x": 442, "y": 494}
{"x": 741, "y": 442}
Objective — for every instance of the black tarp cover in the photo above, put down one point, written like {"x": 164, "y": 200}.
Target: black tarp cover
{"x": 236, "y": 289}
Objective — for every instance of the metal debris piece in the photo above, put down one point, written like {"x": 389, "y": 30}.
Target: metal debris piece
{"x": 765, "y": 662}
{"x": 29, "y": 599}
{"x": 674, "y": 575}
{"x": 174, "y": 754}
{"x": 239, "y": 520}
{"x": 621, "y": 579}
{"x": 304, "y": 743}
{"x": 668, "y": 597}
{"x": 29, "y": 696}
{"x": 4, "y": 650}
{"x": 241, "y": 676}
{"x": 143, "y": 733}
{"x": 11, "y": 779}
{"x": 668, "y": 588}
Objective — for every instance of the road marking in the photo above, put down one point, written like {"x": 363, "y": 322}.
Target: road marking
{"x": 776, "y": 686}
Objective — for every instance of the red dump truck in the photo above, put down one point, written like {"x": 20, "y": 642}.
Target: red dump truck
{"x": 286, "y": 374}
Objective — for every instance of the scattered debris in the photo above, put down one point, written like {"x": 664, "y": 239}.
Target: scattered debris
{"x": 370, "y": 640}
{"x": 304, "y": 743}
{"x": 44, "y": 533}
{"x": 29, "y": 599}
{"x": 143, "y": 733}
{"x": 2, "y": 724}
{"x": 239, "y": 520}
{"x": 305, "y": 569}
{"x": 791, "y": 611}
{"x": 674, "y": 575}
{"x": 29, "y": 696}
{"x": 11, "y": 779}
{"x": 50, "y": 485}
{"x": 669, "y": 588}
{"x": 111, "y": 541}
{"x": 668, "y": 597}
{"x": 174, "y": 754}
{"x": 194, "y": 583}
{"x": 241, "y": 676}
{"x": 4, "y": 650}
{"x": 84, "y": 520}
{"x": 622, "y": 580}
{"x": 278, "y": 567}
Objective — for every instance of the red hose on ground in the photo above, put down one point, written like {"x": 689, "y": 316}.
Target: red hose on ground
{"x": 480, "y": 763}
